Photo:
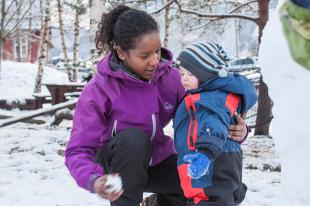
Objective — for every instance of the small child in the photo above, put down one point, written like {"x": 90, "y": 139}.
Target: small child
{"x": 209, "y": 163}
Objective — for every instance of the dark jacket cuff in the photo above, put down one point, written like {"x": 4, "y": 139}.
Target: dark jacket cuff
{"x": 207, "y": 153}
{"x": 247, "y": 133}
{"x": 91, "y": 183}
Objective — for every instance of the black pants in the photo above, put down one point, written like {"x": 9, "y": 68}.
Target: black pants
{"x": 129, "y": 153}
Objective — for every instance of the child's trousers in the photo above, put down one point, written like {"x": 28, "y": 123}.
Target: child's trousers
{"x": 221, "y": 186}
{"x": 129, "y": 153}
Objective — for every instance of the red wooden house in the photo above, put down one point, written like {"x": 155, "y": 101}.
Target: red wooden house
{"x": 9, "y": 46}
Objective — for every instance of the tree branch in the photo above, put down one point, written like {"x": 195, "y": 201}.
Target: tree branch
{"x": 136, "y": 1}
{"x": 217, "y": 16}
{"x": 164, "y": 7}
{"x": 9, "y": 7}
{"x": 14, "y": 13}
{"x": 212, "y": 20}
{"x": 243, "y": 5}
{"x": 19, "y": 22}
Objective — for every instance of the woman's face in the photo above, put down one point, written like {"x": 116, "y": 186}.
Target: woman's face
{"x": 144, "y": 58}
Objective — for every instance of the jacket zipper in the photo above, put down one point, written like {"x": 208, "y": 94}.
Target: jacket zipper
{"x": 113, "y": 132}
{"x": 153, "y": 126}
{"x": 193, "y": 119}
{"x": 133, "y": 77}
{"x": 153, "y": 132}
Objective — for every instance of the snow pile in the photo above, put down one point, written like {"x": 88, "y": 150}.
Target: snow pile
{"x": 18, "y": 79}
{"x": 289, "y": 88}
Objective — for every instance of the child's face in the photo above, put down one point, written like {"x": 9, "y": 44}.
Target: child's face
{"x": 188, "y": 80}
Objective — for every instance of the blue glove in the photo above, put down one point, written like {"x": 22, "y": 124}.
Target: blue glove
{"x": 198, "y": 164}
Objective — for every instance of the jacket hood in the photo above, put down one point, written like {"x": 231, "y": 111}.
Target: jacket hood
{"x": 233, "y": 83}
{"x": 104, "y": 67}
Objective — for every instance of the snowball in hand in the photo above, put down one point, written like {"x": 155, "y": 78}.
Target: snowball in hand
{"x": 115, "y": 183}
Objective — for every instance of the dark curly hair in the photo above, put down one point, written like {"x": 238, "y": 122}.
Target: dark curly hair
{"x": 121, "y": 27}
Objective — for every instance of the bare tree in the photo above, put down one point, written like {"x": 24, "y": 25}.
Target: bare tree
{"x": 42, "y": 14}
{"x": 79, "y": 9}
{"x": 97, "y": 9}
{"x": 1, "y": 30}
{"x": 76, "y": 41}
{"x": 17, "y": 32}
{"x": 29, "y": 34}
{"x": 49, "y": 40}
{"x": 216, "y": 16}
{"x": 182, "y": 27}
{"x": 43, "y": 47}
{"x": 263, "y": 8}
{"x": 61, "y": 28}
{"x": 264, "y": 115}
{"x": 200, "y": 14}
{"x": 8, "y": 15}
{"x": 62, "y": 35}
{"x": 166, "y": 26}
{"x": 260, "y": 18}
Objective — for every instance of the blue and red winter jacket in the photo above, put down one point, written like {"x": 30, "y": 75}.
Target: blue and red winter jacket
{"x": 202, "y": 124}
{"x": 204, "y": 115}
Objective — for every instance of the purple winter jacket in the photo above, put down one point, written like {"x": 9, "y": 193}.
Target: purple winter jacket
{"x": 113, "y": 101}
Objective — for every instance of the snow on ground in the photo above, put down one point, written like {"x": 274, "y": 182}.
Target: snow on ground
{"x": 18, "y": 79}
{"x": 33, "y": 173}
{"x": 262, "y": 171}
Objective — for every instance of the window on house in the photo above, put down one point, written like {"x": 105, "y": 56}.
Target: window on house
{"x": 24, "y": 47}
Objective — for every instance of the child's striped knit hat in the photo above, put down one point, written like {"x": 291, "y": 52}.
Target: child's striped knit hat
{"x": 204, "y": 60}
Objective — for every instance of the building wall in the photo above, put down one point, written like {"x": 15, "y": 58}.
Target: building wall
{"x": 9, "y": 48}
{"x": 7, "y": 51}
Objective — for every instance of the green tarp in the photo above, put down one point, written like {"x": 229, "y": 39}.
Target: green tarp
{"x": 296, "y": 25}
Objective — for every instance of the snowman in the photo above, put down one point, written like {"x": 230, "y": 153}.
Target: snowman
{"x": 284, "y": 57}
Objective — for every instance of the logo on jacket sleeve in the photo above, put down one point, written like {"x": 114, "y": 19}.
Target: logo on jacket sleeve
{"x": 168, "y": 106}
{"x": 208, "y": 131}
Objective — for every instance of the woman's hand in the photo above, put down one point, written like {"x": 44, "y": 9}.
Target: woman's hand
{"x": 238, "y": 132}
{"x": 101, "y": 188}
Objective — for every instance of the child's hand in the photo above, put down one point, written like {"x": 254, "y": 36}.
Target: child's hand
{"x": 238, "y": 132}
{"x": 198, "y": 164}
{"x": 103, "y": 189}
